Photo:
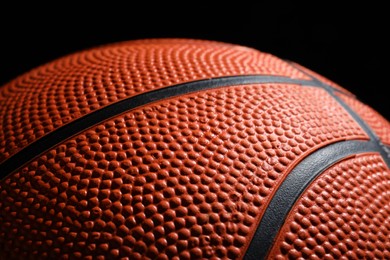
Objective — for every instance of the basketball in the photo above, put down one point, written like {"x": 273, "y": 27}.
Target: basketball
{"x": 189, "y": 149}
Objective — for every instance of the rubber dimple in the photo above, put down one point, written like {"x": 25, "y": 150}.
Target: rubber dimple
{"x": 72, "y": 128}
{"x": 186, "y": 176}
{"x": 343, "y": 213}
{"x": 377, "y": 123}
{"x": 323, "y": 79}
{"x": 66, "y": 89}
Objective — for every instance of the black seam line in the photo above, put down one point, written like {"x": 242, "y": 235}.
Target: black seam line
{"x": 64, "y": 132}
{"x": 384, "y": 151}
{"x": 319, "y": 82}
{"x": 292, "y": 188}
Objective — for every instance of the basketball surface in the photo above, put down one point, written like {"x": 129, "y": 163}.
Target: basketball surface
{"x": 188, "y": 149}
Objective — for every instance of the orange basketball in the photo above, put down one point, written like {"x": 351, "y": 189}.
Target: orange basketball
{"x": 188, "y": 149}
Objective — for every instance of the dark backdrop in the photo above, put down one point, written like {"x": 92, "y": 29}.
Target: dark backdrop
{"x": 348, "y": 45}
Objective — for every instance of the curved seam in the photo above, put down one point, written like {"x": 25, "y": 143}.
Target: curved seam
{"x": 87, "y": 121}
{"x": 293, "y": 186}
{"x": 385, "y": 153}
{"x": 319, "y": 82}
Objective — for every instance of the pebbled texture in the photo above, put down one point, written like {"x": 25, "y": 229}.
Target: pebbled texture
{"x": 188, "y": 176}
{"x": 66, "y": 89}
{"x": 301, "y": 176}
{"x": 343, "y": 214}
{"x": 378, "y": 123}
{"x": 322, "y": 79}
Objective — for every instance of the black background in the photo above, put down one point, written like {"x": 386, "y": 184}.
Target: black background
{"x": 347, "y": 45}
